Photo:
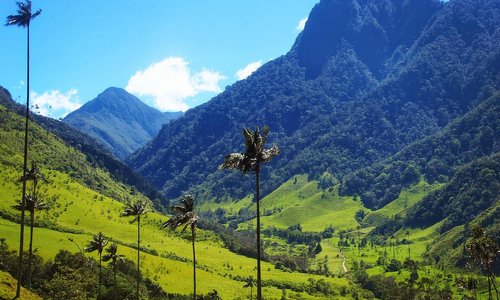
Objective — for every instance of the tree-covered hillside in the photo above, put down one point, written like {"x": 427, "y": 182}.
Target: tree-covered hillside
{"x": 363, "y": 80}
{"x": 434, "y": 159}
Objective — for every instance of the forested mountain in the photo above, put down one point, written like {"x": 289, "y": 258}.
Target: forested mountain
{"x": 119, "y": 120}
{"x": 363, "y": 80}
{"x": 95, "y": 153}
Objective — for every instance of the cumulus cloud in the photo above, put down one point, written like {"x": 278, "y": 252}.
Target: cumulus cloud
{"x": 171, "y": 83}
{"x": 55, "y": 103}
{"x": 301, "y": 25}
{"x": 248, "y": 70}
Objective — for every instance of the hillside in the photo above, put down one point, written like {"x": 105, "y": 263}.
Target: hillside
{"x": 119, "y": 120}
{"x": 85, "y": 200}
{"x": 95, "y": 153}
{"x": 362, "y": 81}
{"x": 79, "y": 210}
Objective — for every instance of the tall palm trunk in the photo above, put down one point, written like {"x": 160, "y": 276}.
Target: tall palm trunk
{"x": 257, "y": 200}
{"x": 194, "y": 261}
{"x": 138, "y": 254}
{"x": 25, "y": 167}
{"x": 114, "y": 278}
{"x": 100, "y": 269}
{"x": 32, "y": 224}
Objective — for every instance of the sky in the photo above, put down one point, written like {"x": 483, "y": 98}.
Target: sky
{"x": 172, "y": 54}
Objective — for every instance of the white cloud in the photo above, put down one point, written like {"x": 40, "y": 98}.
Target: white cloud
{"x": 54, "y": 103}
{"x": 301, "y": 25}
{"x": 248, "y": 70}
{"x": 170, "y": 83}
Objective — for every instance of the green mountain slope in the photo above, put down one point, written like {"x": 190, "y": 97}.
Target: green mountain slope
{"x": 435, "y": 158}
{"x": 95, "y": 153}
{"x": 119, "y": 121}
{"x": 388, "y": 73}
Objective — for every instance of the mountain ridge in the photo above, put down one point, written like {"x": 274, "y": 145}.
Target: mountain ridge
{"x": 346, "y": 113}
{"x": 121, "y": 121}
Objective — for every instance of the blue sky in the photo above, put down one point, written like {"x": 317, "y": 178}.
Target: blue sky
{"x": 172, "y": 54}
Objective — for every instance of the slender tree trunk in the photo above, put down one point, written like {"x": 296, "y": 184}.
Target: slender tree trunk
{"x": 25, "y": 166}
{"x": 194, "y": 262}
{"x": 30, "y": 251}
{"x": 251, "y": 292}
{"x": 100, "y": 269}
{"x": 32, "y": 224}
{"x": 114, "y": 279}
{"x": 257, "y": 200}
{"x": 138, "y": 254}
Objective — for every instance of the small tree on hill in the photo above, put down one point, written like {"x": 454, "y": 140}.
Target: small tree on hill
{"x": 113, "y": 256}
{"x": 483, "y": 252}
{"x": 98, "y": 243}
{"x": 184, "y": 215}
{"x": 250, "y": 282}
{"x": 137, "y": 209}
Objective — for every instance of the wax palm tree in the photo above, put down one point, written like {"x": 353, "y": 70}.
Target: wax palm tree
{"x": 185, "y": 215}
{"x": 250, "y": 161}
{"x": 483, "y": 252}
{"x": 98, "y": 243}
{"x": 250, "y": 282}
{"x": 408, "y": 241}
{"x": 137, "y": 209}
{"x": 23, "y": 19}
{"x": 113, "y": 256}
{"x": 31, "y": 204}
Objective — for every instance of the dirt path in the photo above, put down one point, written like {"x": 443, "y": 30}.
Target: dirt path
{"x": 344, "y": 262}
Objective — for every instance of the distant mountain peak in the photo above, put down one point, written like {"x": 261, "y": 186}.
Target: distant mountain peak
{"x": 119, "y": 120}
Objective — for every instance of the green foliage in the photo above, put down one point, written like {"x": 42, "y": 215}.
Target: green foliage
{"x": 472, "y": 190}
{"x": 436, "y": 157}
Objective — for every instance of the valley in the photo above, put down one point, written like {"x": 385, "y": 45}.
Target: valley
{"x": 377, "y": 177}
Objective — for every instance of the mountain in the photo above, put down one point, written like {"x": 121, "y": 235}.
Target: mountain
{"x": 119, "y": 120}
{"x": 363, "y": 80}
{"x": 95, "y": 153}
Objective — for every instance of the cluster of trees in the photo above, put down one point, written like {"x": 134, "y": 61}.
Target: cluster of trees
{"x": 74, "y": 276}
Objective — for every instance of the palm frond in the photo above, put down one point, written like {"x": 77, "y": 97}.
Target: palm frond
{"x": 255, "y": 153}
{"x": 98, "y": 243}
{"x": 24, "y": 15}
{"x": 135, "y": 209}
{"x": 184, "y": 214}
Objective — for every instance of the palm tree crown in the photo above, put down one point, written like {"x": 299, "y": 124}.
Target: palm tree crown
{"x": 135, "y": 209}
{"x": 97, "y": 243}
{"x": 24, "y": 16}
{"x": 32, "y": 204}
{"x": 254, "y": 152}
{"x": 184, "y": 214}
